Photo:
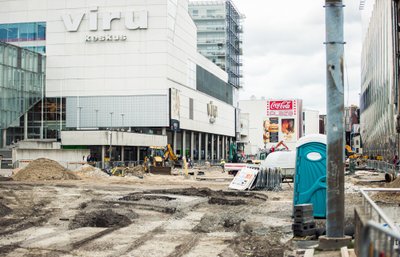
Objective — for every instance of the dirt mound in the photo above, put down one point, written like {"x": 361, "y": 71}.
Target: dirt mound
{"x": 44, "y": 169}
{"x": 257, "y": 246}
{"x": 90, "y": 171}
{"x": 395, "y": 183}
{"x": 225, "y": 201}
{"x": 103, "y": 219}
{"x": 219, "y": 222}
{"x": 4, "y": 210}
{"x": 389, "y": 197}
{"x": 206, "y": 192}
{"x": 137, "y": 171}
{"x": 138, "y": 197}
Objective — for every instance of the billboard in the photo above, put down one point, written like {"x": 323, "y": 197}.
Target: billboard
{"x": 282, "y": 121}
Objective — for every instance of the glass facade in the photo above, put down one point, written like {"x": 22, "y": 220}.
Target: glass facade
{"x": 16, "y": 33}
{"x": 211, "y": 85}
{"x": 378, "y": 100}
{"x": 22, "y": 78}
{"x": 28, "y": 31}
{"x": 219, "y": 35}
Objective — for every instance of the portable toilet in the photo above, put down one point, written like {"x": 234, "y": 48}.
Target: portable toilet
{"x": 310, "y": 173}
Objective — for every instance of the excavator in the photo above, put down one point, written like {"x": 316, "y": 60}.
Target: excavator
{"x": 160, "y": 160}
{"x": 263, "y": 153}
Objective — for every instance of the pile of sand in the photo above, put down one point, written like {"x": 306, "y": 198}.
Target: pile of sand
{"x": 394, "y": 184}
{"x": 44, "y": 169}
{"x": 90, "y": 171}
{"x": 389, "y": 197}
{"x": 137, "y": 171}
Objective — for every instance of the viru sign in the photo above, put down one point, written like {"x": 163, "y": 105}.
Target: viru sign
{"x": 280, "y": 105}
{"x": 133, "y": 20}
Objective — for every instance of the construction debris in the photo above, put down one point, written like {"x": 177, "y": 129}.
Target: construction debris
{"x": 103, "y": 218}
{"x": 90, "y": 171}
{"x": 4, "y": 210}
{"x": 44, "y": 169}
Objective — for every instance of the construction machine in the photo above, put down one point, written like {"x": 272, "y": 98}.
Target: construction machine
{"x": 350, "y": 153}
{"x": 172, "y": 158}
{"x": 154, "y": 161}
{"x": 161, "y": 160}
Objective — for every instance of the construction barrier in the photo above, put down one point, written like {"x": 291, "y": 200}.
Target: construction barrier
{"x": 375, "y": 233}
{"x": 268, "y": 179}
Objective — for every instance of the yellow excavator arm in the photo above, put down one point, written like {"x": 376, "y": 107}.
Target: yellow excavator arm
{"x": 169, "y": 153}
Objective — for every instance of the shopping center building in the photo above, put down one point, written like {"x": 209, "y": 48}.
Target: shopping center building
{"x": 125, "y": 73}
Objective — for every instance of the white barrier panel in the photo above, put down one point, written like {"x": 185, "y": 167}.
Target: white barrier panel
{"x": 244, "y": 179}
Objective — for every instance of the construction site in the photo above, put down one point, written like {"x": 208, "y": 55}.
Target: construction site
{"x": 47, "y": 210}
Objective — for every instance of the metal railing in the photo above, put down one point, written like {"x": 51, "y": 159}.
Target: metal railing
{"x": 268, "y": 179}
{"x": 379, "y": 241}
{"x": 380, "y": 235}
{"x": 383, "y": 167}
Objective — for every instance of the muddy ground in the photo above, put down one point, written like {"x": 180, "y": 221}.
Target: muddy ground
{"x": 153, "y": 216}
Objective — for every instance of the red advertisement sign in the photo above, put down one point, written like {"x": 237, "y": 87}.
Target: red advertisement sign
{"x": 280, "y": 105}
{"x": 282, "y": 108}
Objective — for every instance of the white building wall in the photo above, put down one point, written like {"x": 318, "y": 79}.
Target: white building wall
{"x": 310, "y": 122}
{"x": 257, "y": 113}
{"x": 148, "y": 62}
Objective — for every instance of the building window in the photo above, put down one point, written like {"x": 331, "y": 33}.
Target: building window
{"x": 28, "y": 31}
{"x": 195, "y": 12}
{"x": 191, "y": 108}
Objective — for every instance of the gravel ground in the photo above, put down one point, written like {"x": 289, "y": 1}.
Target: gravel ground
{"x": 153, "y": 216}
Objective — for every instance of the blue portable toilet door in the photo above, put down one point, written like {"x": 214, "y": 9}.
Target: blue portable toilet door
{"x": 310, "y": 179}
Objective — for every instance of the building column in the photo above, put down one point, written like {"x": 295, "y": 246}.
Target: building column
{"x": 138, "y": 154}
{"x": 218, "y": 148}
{"x": 26, "y": 126}
{"x": 199, "y": 146}
{"x": 226, "y": 147}
{"x": 192, "y": 145}
{"x": 103, "y": 154}
{"x": 223, "y": 147}
{"x": 184, "y": 143}
{"x": 122, "y": 153}
{"x": 164, "y": 131}
{"x": 4, "y": 138}
{"x": 206, "y": 148}
{"x": 212, "y": 146}
{"x": 174, "y": 142}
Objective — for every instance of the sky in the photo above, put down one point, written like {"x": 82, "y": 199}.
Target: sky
{"x": 284, "y": 55}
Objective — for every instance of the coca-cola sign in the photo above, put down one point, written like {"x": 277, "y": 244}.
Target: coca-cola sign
{"x": 280, "y": 105}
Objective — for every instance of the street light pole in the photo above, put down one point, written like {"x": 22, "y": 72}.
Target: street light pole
{"x": 122, "y": 117}
{"x": 97, "y": 117}
{"x": 334, "y": 238}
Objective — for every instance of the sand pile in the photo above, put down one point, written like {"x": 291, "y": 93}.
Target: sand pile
{"x": 137, "y": 171}
{"x": 90, "y": 171}
{"x": 395, "y": 183}
{"x": 44, "y": 169}
{"x": 389, "y": 197}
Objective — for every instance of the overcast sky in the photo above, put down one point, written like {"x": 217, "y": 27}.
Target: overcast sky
{"x": 284, "y": 54}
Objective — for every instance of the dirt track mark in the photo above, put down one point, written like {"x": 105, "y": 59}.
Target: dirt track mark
{"x": 141, "y": 240}
{"x": 185, "y": 248}
{"x": 93, "y": 237}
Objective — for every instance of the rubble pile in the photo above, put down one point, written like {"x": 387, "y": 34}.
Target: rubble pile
{"x": 90, "y": 171}
{"x": 4, "y": 210}
{"x": 44, "y": 169}
{"x": 389, "y": 197}
{"x": 137, "y": 171}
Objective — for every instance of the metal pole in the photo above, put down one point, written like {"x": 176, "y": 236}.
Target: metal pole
{"x": 335, "y": 125}
{"x": 111, "y": 114}
{"x": 97, "y": 117}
